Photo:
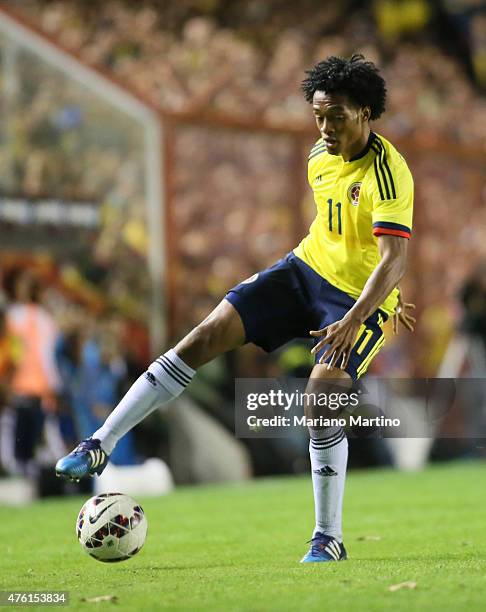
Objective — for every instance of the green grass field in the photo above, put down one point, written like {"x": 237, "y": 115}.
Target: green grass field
{"x": 237, "y": 547}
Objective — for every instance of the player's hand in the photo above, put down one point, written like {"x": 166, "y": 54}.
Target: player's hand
{"x": 341, "y": 337}
{"x": 402, "y": 316}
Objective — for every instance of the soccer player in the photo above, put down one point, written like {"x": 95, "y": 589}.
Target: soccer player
{"x": 339, "y": 285}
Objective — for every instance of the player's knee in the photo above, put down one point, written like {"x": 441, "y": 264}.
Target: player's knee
{"x": 208, "y": 334}
{"x": 193, "y": 348}
{"x": 325, "y": 433}
{"x": 206, "y": 341}
{"x": 324, "y": 395}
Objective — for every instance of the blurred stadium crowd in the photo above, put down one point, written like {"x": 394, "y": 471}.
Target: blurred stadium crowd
{"x": 248, "y": 59}
{"x": 241, "y": 176}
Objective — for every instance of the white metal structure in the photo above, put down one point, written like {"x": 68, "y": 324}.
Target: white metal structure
{"x": 19, "y": 36}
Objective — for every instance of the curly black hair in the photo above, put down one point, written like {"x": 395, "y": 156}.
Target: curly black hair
{"x": 356, "y": 78}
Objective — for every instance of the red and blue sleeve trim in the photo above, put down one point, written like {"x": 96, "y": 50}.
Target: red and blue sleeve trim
{"x": 392, "y": 229}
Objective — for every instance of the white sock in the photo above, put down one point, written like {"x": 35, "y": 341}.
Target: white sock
{"x": 329, "y": 457}
{"x": 165, "y": 379}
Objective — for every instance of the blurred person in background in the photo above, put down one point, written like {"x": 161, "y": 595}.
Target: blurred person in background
{"x": 35, "y": 380}
{"x": 341, "y": 281}
{"x": 9, "y": 350}
{"x": 463, "y": 426}
{"x": 8, "y": 358}
{"x": 473, "y": 298}
{"x": 474, "y": 324}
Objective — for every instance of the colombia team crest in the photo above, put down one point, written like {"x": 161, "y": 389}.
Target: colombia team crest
{"x": 353, "y": 193}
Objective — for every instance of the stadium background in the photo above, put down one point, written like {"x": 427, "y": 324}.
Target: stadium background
{"x": 222, "y": 80}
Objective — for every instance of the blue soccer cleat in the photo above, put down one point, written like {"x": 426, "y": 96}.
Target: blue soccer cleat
{"x": 324, "y": 548}
{"x": 87, "y": 459}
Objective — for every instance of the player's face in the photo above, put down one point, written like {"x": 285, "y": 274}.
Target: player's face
{"x": 343, "y": 126}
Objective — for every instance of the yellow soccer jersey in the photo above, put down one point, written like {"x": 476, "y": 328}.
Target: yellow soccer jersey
{"x": 356, "y": 201}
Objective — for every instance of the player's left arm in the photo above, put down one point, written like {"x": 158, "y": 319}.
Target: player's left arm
{"x": 342, "y": 334}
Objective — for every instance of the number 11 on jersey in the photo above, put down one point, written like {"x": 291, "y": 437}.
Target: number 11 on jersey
{"x": 331, "y": 213}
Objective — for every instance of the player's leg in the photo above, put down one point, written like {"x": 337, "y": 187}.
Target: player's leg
{"x": 328, "y": 450}
{"x": 268, "y": 309}
{"x": 168, "y": 376}
{"x": 328, "y": 447}
{"x": 165, "y": 379}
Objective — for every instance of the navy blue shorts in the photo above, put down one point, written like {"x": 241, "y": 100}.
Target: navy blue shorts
{"x": 289, "y": 299}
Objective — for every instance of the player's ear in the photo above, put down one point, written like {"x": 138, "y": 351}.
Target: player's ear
{"x": 366, "y": 113}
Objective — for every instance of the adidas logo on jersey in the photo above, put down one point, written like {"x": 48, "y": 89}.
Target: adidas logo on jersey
{"x": 325, "y": 471}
